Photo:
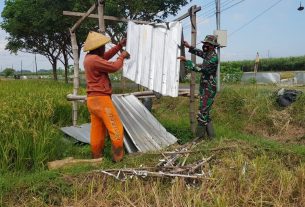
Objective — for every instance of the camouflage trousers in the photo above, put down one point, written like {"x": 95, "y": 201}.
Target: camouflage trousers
{"x": 207, "y": 92}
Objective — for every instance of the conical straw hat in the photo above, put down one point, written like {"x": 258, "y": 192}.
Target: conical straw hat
{"x": 94, "y": 41}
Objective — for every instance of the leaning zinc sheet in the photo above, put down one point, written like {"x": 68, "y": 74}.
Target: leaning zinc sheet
{"x": 153, "y": 56}
{"x": 143, "y": 129}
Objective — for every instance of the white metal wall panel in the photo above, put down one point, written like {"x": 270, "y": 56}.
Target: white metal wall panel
{"x": 153, "y": 56}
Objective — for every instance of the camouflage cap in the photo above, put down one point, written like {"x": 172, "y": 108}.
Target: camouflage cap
{"x": 212, "y": 39}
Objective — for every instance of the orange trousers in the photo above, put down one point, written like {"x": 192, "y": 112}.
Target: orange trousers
{"x": 105, "y": 117}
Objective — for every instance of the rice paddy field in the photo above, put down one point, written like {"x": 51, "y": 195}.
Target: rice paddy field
{"x": 264, "y": 165}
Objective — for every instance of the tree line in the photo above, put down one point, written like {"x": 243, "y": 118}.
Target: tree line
{"x": 269, "y": 64}
{"x": 39, "y": 27}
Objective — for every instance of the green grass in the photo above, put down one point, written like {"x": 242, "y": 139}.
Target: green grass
{"x": 258, "y": 171}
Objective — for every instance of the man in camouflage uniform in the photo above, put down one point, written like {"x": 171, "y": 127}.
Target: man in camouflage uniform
{"x": 207, "y": 88}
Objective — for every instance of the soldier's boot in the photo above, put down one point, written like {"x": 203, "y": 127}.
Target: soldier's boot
{"x": 200, "y": 131}
{"x": 210, "y": 130}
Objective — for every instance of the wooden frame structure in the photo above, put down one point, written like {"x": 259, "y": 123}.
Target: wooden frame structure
{"x": 99, "y": 4}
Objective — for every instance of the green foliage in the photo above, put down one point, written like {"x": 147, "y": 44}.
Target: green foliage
{"x": 231, "y": 74}
{"x": 8, "y": 72}
{"x": 270, "y": 64}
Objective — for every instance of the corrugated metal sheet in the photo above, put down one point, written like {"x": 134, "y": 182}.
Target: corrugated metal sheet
{"x": 262, "y": 77}
{"x": 80, "y": 133}
{"x": 153, "y": 56}
{"x": 142, "y": 133}
{"x": 146, "y": 133}
{"x": 300, "y": 77}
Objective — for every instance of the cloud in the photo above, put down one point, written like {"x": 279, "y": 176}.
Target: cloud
{"x": 2, "y": 45}
{"x": 3, "y": 41}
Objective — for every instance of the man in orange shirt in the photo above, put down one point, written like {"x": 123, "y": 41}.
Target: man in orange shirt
{"x": 102, "y": 111}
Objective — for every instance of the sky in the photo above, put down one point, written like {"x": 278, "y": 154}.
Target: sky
{"x": 273, "y": 28}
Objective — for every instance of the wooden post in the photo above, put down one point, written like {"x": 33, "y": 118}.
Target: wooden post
{"x": 193, "y": 75}
{"x": 76, "y": 76}
{"x": 101, "y": 21}
{"x": 76, "y": 61}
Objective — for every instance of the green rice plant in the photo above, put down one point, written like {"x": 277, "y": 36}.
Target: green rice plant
{"x": 31, "y": 113}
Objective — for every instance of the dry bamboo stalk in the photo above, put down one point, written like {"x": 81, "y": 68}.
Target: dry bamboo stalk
{"x": 146, "y": 173}
{"x": 193, "y": 151}
{"x": 192, "y": 170}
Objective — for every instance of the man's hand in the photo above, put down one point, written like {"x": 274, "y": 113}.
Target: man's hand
{"x": 123, "y": 42}
{"x": 125, "y": 54}
{"x": 186, "y": 44}
{"x": 181, "y": 58}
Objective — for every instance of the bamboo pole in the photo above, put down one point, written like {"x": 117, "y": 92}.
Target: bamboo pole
{"x": 196, "y": 9}
{"x": 139, "y": 94}
{"x": 101, "y": 21}
{"x": 193, "y": 77}
{"x": 111, "y": 18}
{"x": 76, "y": 76}
{"x": 76, "y": 25}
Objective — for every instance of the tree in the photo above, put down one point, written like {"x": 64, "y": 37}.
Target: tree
{"x": 8, "y": 72}
{"x": 146, "y": 10}
{"x": 38, "y": 26}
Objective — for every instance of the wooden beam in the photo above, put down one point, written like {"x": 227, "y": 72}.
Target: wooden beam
{"x": 69, "y": 161}
{"x": 110, "y": 18}
{"x": 194, "y": 10}
{"x": 76, "y": 25}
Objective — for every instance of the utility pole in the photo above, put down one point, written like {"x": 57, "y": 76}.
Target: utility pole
{"x": 35, "y": 64}
{"x": 218, "y": 49}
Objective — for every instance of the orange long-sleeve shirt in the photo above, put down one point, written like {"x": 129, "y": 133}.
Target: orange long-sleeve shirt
{"x": 97, "y": 69}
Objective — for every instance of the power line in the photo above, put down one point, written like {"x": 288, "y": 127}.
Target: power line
{"x": 212, "y": 12}
{"x": 255, "y": 17}
{"x": 221, "y": 11}
{"x": 207, "y": 5}
{"x": 232, "y": 5}
{"x": 208, "y": 17}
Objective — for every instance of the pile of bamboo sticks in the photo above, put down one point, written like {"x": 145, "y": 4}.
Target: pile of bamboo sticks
{"x": 172, "y": 165}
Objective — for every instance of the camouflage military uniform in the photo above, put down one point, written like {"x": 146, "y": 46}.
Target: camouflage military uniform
{"x": 207, "y": 88}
